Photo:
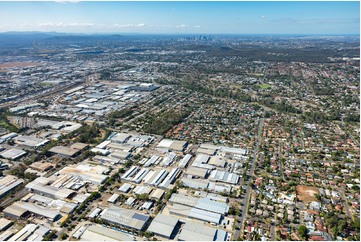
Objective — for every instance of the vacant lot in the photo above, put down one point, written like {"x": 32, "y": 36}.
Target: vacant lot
{"x": 306, "y": 193}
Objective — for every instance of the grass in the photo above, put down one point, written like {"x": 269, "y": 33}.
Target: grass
{"x": 264, "y": 86}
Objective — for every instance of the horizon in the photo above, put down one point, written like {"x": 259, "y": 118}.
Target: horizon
{"x": 233, "y": 18}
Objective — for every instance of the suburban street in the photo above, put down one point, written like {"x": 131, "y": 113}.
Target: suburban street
{"x": 248, "y": 183}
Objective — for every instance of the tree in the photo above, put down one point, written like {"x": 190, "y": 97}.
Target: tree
{"x": 302, "y": 230}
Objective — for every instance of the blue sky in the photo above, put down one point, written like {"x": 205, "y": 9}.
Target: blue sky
{"x": 183, "y": 17}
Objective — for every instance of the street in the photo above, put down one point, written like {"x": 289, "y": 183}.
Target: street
{"x": 248, "y": 183}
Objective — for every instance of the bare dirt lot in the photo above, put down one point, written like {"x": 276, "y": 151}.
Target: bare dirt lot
{"x": 17, "y": 64}
{"x": 307, "y": 193}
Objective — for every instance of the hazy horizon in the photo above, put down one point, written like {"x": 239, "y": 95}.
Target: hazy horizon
{"x": 271, "y": 18}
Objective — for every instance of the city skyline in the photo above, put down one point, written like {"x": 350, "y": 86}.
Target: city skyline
{"x": 183, "y": 17}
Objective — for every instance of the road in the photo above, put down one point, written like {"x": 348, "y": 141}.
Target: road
{"x": 41, "y": 95}
{"x": 349, "y": 134}
{"x": 344, "y": 201}
{"x": 280, "y": 162}
{"x": 248, "y": 183}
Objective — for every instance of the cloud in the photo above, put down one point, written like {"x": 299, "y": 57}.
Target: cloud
{"x": 181, "y": 26}
{"x": 66, "y": 1}
{"x": 128, "y": 25}
{"x": 264, "y": 16}
{"x": 197, "y": 26}
{"x": 61, "y": 24}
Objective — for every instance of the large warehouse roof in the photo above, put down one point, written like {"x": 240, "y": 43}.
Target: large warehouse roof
{"x": 125, "y": 217}
{"x": 163, "y": 225}
{"x": 192, "y": 231}
{"x": 12, "y": 153}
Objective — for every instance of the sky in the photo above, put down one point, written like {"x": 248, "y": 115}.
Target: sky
{"x": 183, "y": 17}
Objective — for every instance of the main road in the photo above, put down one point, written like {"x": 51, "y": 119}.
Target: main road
{"x": 243, "y": 214}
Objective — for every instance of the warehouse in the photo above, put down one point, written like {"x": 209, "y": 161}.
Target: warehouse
{"x": 64, "y": 151}
{"x": 21, "y": 208}
{"x": 212, "y": 186}
{"x": 164, "y": 225}
{"x": 151, "y": 161}
{"x": 176, "y": 145}
{"x": 140, "y": 175}
{"x": 189, "y": 212}
{"x": 106, "y": 159}
{"x": 185, "y": 160}
{"x": 5, "y": 224}
{"x": 194, "y": 183}
{"x": 197, "y": 172}
{"x": 224, "y": 176}
{"x": 100, "y": 233}
{"x": 41, "y": 166}
{"x": 130, "y": 173}
{"x": 170, "y": 178}
{"x": 40, "y": 186}
{"x": 125, "y": 218}
{"x": 8, "y": 184}
{"x": 87, "y": 173}
{"x": 30, "y": 141}
{"x": 13, "y": 154}
{"x": 157, "y": 194}
{"x": 113, "y": 198}
{"x": 217, "y": 161}
{"x": 142, "y": 190}
{"x": 94, "y": 213}
{"x": 193, "y": 231}
{"x": 120, "y": 138}
{"x": 79, "y": 146}
{"x": 200, "y": 203}
{"x": 125, "y": 188}
{"x": 159, "y": 178}
{"x": 120, "y": 154}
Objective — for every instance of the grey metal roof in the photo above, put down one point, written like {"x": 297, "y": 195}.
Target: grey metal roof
{"x": 163, "y": 225}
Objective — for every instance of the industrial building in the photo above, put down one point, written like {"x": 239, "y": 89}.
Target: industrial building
{"x": 194, "y": 213}
{"x": 99, "y": 233}
{"x": 5, "y": 224}
{"x": 8, "y": 184}
{"x": 64, "y": 151}
{"x": 164, "y": 225}
{"x": 200, "y": 203}
{"x": 20, "y": 209}
{"x": 193, "y": 231}
{"x": 224, "y": 176}
{"x": 13, "y": 154}
{"x": 30, "y": 141}
{"x": 175, "y": 145}
{"x": 125, "y": 218}
{"x": 185, "y": 161}
{"x": 41, "y": 186}
{"x": 87, "y": 173}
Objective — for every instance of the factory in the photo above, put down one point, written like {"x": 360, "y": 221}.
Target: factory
{"x": 168, "y": 144}
{"x": 96, "y": 232}
{"x": 193, "y": 231}
{"x": 224, "y": 176}
{"x": 125, "y": 218}
{"x": 87, "y": 173}
{"x": 8, "y": 184}
{"x": 64, "y": 151}
{"x": 30, "y": 141}
{"x": 164, "y": 226}
{"x": 13, "y": 154}
{"x": 21, "y": 209}
{"x": 41, "y": 186}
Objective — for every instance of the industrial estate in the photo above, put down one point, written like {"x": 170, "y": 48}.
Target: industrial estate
{"x": 189, "y": 138}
